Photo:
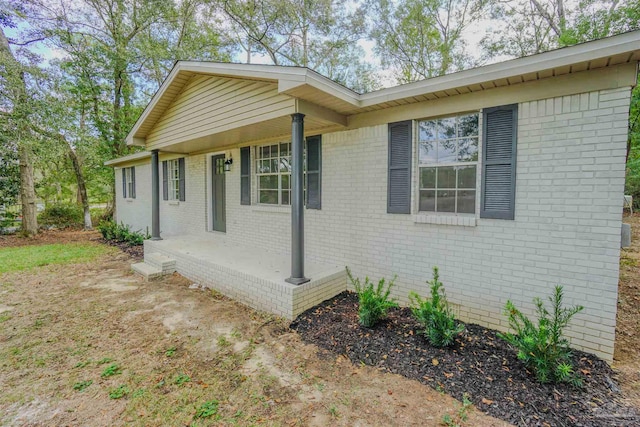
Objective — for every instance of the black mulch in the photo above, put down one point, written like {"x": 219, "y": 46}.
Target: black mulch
{"x": 136, "y": 252}
{"x": 479, "y": 364}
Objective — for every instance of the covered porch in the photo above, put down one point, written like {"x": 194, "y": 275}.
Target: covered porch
{"x": 250, "y": 275}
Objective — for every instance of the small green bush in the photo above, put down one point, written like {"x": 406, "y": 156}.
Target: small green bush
{"x": 440, "y": 326}
{"x": 62, "y": 215}
{"x": 121, "y": 233}
{"x": 542, "y": 347}
{"x": 374, "y": 301}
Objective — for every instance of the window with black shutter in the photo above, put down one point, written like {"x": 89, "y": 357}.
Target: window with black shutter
{"x": 399, "y": 169}
{"x": 314, "y": 172}
{"x": 245, "y": 176}
{"x": 499, "y": 162}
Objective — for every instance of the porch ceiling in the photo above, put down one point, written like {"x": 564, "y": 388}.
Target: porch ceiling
{"x": 205, "y": 105}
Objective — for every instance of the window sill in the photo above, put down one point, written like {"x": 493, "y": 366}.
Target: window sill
{"x": 174, "y": 202}
{"x": 128, "y": 200}
{"x": 443, "y": 219}
{"x": 271, "y": 208}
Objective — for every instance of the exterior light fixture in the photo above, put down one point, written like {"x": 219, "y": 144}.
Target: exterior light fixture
{"x": 227, "y": 164}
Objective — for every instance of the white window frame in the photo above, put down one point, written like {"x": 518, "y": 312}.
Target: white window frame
{"x": 129, "y": 184}
{"x": 173, "y": 179}
{"x": 421, "y": 164}
{"x": 279, "y": 173}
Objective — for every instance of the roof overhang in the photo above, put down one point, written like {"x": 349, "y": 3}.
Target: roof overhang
{"x": 331, "y": 105}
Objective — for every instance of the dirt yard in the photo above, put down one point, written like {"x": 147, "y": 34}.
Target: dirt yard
{"x": 94, "y": 345}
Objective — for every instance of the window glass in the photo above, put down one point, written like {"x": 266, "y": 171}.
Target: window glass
{"x": 447, "y": 162}
{"x": 274, "y": 174}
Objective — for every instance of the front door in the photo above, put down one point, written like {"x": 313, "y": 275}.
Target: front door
{"x": 217, "y": 196}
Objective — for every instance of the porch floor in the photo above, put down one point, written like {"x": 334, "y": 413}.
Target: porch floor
{"x": 253, "y": 276}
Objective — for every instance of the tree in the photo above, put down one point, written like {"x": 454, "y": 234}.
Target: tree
{"x": 420, "y": 39}
{"x": 15, "y": 106}
{"x": 116, "y": 53}
{"x": 319, "y": 34}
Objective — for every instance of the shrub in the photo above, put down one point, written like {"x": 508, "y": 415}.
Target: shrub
{"x": 440, "y": 326}
{"x": 62, "y": 215}
{"x": 121, "y": 233}
{"x": 542, "y": 347}
{"x": 374, "y": 301}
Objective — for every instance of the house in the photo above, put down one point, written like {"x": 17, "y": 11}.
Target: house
{"x": 265, "y": 181}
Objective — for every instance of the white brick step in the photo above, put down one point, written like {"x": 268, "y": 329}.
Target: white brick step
{"x": 162, "y": 262}
{"x": 149, "y": 272}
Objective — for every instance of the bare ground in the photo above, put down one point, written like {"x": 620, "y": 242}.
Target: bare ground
{"x": 176, "y": 348}
{"x": 627, "y": 350}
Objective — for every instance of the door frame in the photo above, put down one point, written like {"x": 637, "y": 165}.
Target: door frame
{"x": 209, "y": 189}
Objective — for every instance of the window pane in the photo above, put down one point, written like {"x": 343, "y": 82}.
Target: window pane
{"x": 466, "y": 177}
{"x": 427, "y": 200}
{"x": 274, "y": 151}
{"x": 468, "y": 150}
{"x": 274, "y": 165}
{"x": 286, "y": 182}
{"x": 468, "y": 125}
{"x": 428, "y": 152}
{"x": 447, "y": 128}
{"x": 285, "y": 164}
{"x": 466, "y": 201}
{"x": 427, "y": 177}
{"x": 264, "y": 152}
{"x": 264, "y": 166}
{"x": 427, "y": 130}
{"x": 269, "y": 197}
{"x": 447, "y": 151}
{"x": 446, "y": 201}
{"x": 447, "y": 177}
{"x": 269, "y": 182}
{"x": 286, "y": 197}
{"x": 285, "y": 149}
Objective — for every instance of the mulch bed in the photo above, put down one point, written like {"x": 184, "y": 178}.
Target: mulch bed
{"x": 136, "y": 252}
{"x": 479, "y": 365}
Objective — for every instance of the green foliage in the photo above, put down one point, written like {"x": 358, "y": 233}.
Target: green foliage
{"x": 79, "y": 386}
{"x": 374, "y": 301}
{"x": 27, "y": 257}
{"x": 435, "y": 315}
{"x": 542, "y": 347}
{"x": 62, "y": 215}
{"x": 111, "y": 370}
{"x": 119, "y": 392}
{"x": 121, "y": 233}
{"x": 207, "y": 409}
{"x": 181, "y": 379}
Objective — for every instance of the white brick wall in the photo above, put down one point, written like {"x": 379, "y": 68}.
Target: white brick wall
{"x": 570, "y": 179}
{"x": 135, "y": 212}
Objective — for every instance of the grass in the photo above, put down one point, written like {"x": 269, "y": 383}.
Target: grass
{"x": 27, "y": 257}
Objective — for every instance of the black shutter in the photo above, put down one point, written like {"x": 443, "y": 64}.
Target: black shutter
{"x": 399, "y": 176}
{"x": 133, "y": 183}
{"x": 245, "y": 176}
{"x": 165, "y": 187}
{"x": 314, "y": 172}
{"x": 181, "y": 181}
{"x": 124, "y": 183}
{"x": 499, "y": 162}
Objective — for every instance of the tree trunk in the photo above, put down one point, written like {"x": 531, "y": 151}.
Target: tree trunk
{"x": 20, "y": 115}
{"x": 27, "y": 191}
{"x": 82, "y": 188}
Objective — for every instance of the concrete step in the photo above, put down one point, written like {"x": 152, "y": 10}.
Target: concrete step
{"x": 149, "y": 272}
{"x": 165, "y": 264}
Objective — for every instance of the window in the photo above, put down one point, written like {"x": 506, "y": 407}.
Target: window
{"x": 273, "y": 166}
{"x": 173, "y": 179}
{"x": 273, "y": 170}
{"x": 173, "y": 183}
{"x": 447, "y": 161}
{"x": 129, "y": 183}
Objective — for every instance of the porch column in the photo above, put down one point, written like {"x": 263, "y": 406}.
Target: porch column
{"x": 155, "y": 196}
{"x": 297, "y": 211}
